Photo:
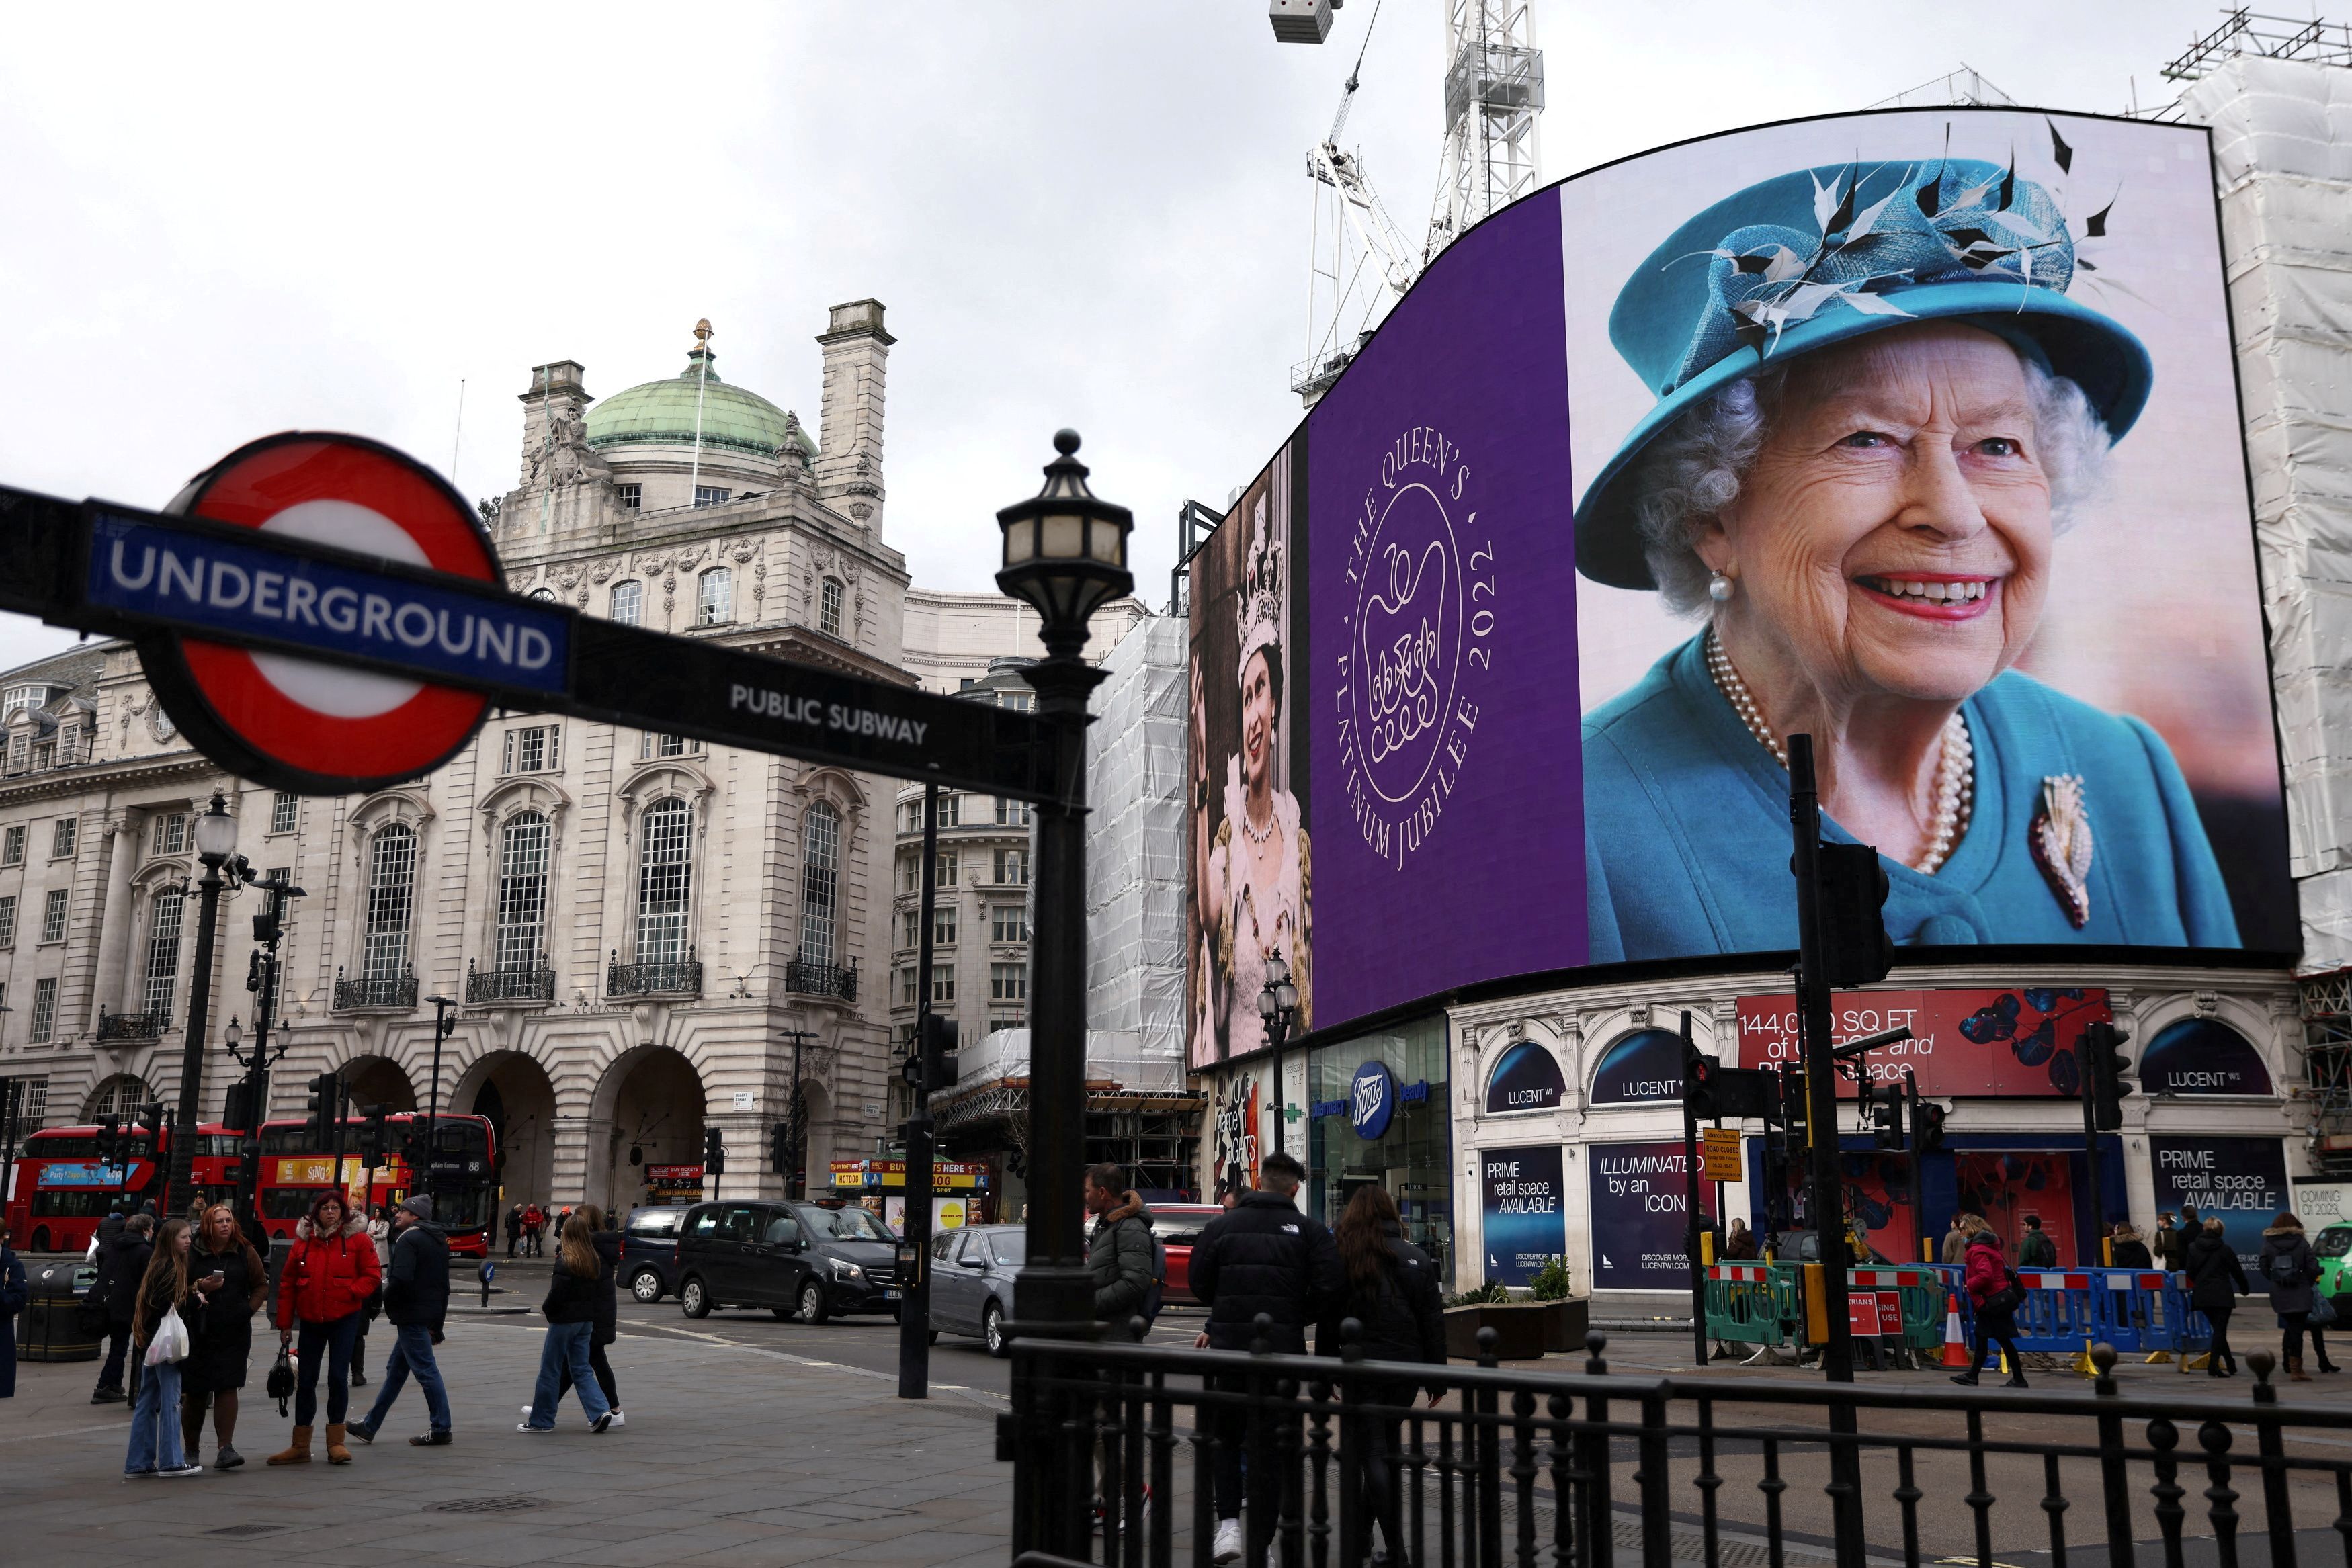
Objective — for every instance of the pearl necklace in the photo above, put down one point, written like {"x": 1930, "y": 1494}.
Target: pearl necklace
{"x": 1955, "y": 761}
{"x": 1255, "y": 836}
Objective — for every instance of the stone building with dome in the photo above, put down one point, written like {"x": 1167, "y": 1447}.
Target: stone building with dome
{"x": 645, "y": 935}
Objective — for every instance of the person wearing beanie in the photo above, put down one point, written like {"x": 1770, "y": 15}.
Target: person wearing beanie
{"x": 417, "y": 1302}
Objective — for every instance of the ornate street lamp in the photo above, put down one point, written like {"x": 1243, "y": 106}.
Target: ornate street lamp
{"x": 1278, "y": 1008}
{"x": 1065, "y": 555}
{"x": 215, "y": 835}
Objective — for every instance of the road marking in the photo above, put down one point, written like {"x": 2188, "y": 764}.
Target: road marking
{"x": 976, "y": 1395}
{"x": 66, "y": 1432}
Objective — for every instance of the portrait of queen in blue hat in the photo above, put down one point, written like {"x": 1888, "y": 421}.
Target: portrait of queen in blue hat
{"x": 1881, "y": 401}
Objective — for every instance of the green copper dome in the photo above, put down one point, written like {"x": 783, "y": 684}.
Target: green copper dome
{"x": 662, "y": 414}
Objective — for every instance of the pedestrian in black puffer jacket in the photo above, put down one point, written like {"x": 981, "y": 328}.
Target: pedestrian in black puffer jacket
{"x": 121, "y": 1265}
{"x": 1391, "y": 1294}
{"x": 2216, "y": 1280}
{"x": 607, "y": 1329}
{"x": 1261, "y": 1256}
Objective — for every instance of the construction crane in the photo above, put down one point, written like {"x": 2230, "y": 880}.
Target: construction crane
{"x": 1360, "y": 263}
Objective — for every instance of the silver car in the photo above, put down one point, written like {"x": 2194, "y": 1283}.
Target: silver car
{"x": 972, "y": 1281}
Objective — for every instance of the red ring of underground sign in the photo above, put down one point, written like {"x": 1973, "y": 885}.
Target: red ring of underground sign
{"x": 232, "y": 712}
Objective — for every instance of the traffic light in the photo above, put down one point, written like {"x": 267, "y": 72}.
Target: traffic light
{"x": 1882, "y": 1108}
{"x": 265, "y": 925}
{"x": 414, "y": 1151}
{"x": 1927, "y": 1126}
{"x": 2103, "y": 1054}
{"x": 1855, "y": 950}
{"x": 238, "y": 1112}
{"x": 323, "y": 1110}
{"x": 1700, "y": 1081}
{"x": 109, "y": 1137}
{"x": 150, "y": 1121}
{"x": 714, "y": 1153}
{"x": 938, "y": 1052}
{"x": 780, "y": 1148}
{"x": 375, "y": 1139}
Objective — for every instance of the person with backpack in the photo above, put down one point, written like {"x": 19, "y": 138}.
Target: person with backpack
{"x": 2034, "y": 1249}
{"x": 324, "y": 1287}
{"x": 1121, "y": 1250}
{"x": 1391, "y": 1295}
{"x": 161, "y": 1291}
{"x": 2216, "y": 1280}
{"x": 121, "y": 1264}
{"x": 416, "y": 1300}
{"x": 1994, "y": 1291}
{"x": 2290, "y": 1271}
{"x": 1262, "y": 1256}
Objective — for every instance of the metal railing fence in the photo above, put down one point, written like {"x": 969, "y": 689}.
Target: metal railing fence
{"x": 1324, "y": 1459}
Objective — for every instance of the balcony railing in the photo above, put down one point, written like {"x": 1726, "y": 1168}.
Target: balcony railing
{"x": 388, "y": 991}
{"x": 531, "y": 983}
{"x": 132, "y": 1026}
{"x": 672, "y": 978}
{"x": 838, "y": 982}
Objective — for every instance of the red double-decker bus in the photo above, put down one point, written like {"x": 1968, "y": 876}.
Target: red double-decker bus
{"x": 464, "y": 1178}
{"x": 58, "y": 1188}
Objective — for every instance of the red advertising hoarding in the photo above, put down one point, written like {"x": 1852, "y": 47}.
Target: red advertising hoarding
{"x": 2022, "y": 1042}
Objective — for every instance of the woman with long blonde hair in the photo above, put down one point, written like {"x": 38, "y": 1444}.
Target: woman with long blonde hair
{"x": 608, "y": 1253}
{"x": 165, "y": 1288}
{"x": 571, "y": 1312}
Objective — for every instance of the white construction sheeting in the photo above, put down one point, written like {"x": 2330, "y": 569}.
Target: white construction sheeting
{"x": 1135, "y": 844}
{"x": 1114, "y": 1056}
{"x": 2283, "y": 151}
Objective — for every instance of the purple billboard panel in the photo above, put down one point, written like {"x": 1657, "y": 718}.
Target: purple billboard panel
{"x": 1442, "y": 637}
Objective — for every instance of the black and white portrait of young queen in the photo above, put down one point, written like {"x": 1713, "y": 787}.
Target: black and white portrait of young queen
{"x": 1917, "y": 433}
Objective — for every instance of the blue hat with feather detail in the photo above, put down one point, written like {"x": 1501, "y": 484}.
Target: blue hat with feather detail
{"x": 1823, "y": 256}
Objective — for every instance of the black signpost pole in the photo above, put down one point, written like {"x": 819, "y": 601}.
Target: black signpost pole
{"x": 915, "y": 1268}
{"x": 1691, "y": 1197}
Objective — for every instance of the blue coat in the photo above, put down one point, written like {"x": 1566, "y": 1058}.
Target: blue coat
{"x": 1687, "y": 829}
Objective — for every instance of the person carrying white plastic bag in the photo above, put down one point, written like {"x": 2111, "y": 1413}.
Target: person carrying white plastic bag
{"x": 162, "y": 1340}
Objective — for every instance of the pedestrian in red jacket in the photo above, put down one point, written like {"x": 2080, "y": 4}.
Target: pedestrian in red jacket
{"x": 328, "y": 1279}
{"x": 1995, "y": 1294}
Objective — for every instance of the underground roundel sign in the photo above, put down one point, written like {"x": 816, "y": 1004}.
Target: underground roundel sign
{"x": 296, "y": 724}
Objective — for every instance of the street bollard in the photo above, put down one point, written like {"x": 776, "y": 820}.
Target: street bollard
{"x": 489, "y": 1272}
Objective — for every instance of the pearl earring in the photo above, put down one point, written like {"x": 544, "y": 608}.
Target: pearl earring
{"x": 1719, "y": 588}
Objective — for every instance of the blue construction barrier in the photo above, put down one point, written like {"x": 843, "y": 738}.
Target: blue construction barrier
{"x": 2137, "y": 1311}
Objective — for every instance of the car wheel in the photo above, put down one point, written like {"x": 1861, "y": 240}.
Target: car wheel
{"x": 812, "y": 1305}
{"x": 647, "y": 1286}
{"x": 694, "y": 1300}
{"x": 991, "y": 1329}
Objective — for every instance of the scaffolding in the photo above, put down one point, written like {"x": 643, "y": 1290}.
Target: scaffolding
{"x": 2311, "y": 39}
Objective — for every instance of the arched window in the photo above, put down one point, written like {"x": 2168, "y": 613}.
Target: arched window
{"x": 522, "y": 893}
{"x": 165, "y": 913}
{"x": 119, "y": 1096}
{"x": 629, "y": 603}
{"x": 1639, "y": 1067}
{"x": 715, "y": 598}
{"x": 820, "y": 882}
{"x": 664, "y": 881}
{"x": 543, "y": 593}
{"x": 391, "y": 901}
{"x": 828, "y": 611}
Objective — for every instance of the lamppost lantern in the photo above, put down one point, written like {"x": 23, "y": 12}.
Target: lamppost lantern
{"x": 215, "y": 832}
{"x": 233, "y": 1036}
{"x": 1066, "y": 551}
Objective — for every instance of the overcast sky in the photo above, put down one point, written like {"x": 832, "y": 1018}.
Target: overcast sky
{"x": 214, "y": 226}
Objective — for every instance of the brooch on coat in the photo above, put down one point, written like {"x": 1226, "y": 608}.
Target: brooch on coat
{"x": 2061, "y": 836}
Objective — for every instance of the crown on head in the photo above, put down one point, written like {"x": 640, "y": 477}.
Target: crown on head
{"x": 1259, "y": 610}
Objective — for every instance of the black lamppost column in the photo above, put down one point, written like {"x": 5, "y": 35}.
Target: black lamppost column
{"x": 1277, "y": 1009}
{"x": 1065, "y": 555}
{"x": 215, "y": 832}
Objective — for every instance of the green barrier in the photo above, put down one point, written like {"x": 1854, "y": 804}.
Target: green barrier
{"x": 1755, "y": 1303}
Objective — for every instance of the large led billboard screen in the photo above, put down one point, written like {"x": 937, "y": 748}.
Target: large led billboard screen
{"x": 1913, "y": 431}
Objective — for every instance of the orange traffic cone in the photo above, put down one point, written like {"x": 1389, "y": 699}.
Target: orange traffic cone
{"x": 1955, "y": 1349}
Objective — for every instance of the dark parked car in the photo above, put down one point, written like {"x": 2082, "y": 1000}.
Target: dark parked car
{"x": 972, "y": 1281}
{"x": 649, "y": 1253}
{"x": 807, "y": 1260}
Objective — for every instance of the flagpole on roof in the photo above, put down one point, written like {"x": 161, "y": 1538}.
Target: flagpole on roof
{"x": 702, "y": 380}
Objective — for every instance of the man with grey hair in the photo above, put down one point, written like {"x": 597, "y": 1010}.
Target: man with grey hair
{"x": 416, "y": 1300}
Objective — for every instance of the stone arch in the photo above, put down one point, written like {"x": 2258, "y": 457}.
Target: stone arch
{"x": 120, "y": 1095}
{"x": 380, "y": 1081}
{"x": 816, "y": 1142}
{"x": 651, "y": 1104}
{"x": 513, "y": 1091}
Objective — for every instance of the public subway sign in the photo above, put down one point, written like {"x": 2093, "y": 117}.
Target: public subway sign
{"x": 322, "y": 614}
{"x": 2022, "y": 1042}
